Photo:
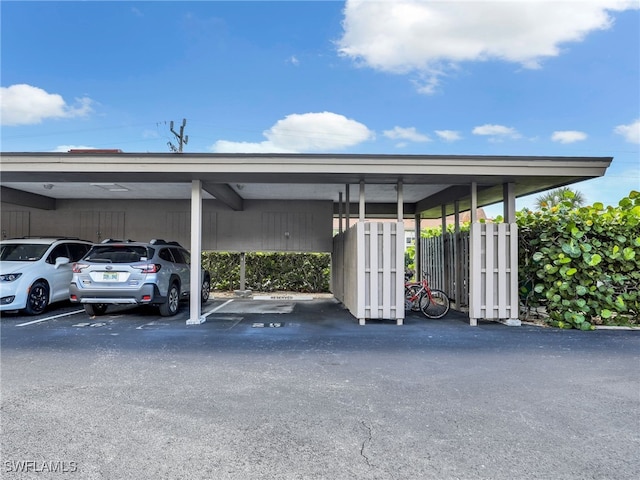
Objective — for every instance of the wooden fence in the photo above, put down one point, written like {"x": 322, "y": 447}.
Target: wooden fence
{"x": 494, "y": 273}
{"x": 444, "y": 260}
{"x": 478, "y": 270}
{"x": 368, "y": 270}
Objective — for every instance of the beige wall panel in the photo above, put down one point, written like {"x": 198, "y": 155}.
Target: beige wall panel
{"x": 309, "y": 223}
{"x": 15, "y": 224}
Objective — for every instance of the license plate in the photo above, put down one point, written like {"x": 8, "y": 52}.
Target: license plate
{"x": 110, "y": 276}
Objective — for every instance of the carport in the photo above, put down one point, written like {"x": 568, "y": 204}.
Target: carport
{"x": 287, "y": 202}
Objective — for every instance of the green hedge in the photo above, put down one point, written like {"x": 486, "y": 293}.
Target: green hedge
{"x": 583, "y": 263}
{"x": 270, "y": 272}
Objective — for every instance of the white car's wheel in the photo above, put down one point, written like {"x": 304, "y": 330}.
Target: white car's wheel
{"x": 38, "y": 298}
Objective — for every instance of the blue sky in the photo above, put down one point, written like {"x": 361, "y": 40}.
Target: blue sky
{"x": 381, "y": 77}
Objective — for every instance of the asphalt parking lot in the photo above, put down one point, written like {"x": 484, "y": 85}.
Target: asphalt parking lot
{"x": 285, "y": 389}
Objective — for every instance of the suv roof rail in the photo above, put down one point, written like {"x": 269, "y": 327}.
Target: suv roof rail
{"x": 115, "y": 240}
{"x": 160, "y": 241}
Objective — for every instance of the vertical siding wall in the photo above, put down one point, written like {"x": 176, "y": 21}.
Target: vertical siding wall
{"x": 15, "y": 224}
{"x": 494, "y": 272}
{"x": 291, "y": 226}
{"x": 368, "y": 270}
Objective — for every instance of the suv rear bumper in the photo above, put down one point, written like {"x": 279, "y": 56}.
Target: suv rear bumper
{"x": 146, "y": 294}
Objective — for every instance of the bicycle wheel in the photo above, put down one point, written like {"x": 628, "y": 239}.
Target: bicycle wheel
{"x": 435, "y": 306}
{"x": 411, "y": 301}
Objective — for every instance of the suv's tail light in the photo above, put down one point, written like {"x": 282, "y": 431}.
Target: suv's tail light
{"x": 78, "y": 267}
{"x": 149, "y": 268}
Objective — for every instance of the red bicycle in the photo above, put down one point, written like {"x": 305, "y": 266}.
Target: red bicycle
{"x": 418, "y": 296}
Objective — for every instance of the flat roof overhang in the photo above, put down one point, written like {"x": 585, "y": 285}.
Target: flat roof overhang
{"x": 429, "y": 181}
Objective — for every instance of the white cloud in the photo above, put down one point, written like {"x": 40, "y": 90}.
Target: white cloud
{"x": 496, "y": 131}
{"x": 225, "y": 146}
{"x": 429, "y": 38}
{"x": 27, "y": 105}
{"x": 411, "y": 134}
{"x": 148, "y": 133}
{"x": 307, "y": 132}
{"x": 630, "y": 132}
{"x": 568, "y": 136}
{"x": 449, "y": 135}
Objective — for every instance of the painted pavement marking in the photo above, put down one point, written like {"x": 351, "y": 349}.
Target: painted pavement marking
{"x": 49, "y": 318}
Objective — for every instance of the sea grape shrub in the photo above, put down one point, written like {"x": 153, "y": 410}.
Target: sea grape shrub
{"x": 583, "y": 263}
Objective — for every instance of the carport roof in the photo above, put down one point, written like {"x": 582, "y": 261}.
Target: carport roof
{"x": 429, "y": 181}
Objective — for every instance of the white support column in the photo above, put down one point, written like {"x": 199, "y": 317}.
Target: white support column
{"x": 243, "y": 272}
{"x": 509, "y": 202}
{"x": 400, "y": 202}
{"x": 457, "y": 264}
{"x": 474, "y": 254}
{"x": 347, "y": 225}
{"x": 474, "y": 202}
{"x": 443, "y": 257}
{"x": 418, "y": 256}
{"x": 347, "y": 207}
{"x": 361, "y": 212}
{"x": 361, "y": 257}
{"x": 340, "y": 212}
{"x": 401, "y": 241}
{"x": 195, "y": 316}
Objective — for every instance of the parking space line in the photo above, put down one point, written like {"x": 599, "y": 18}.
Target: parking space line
{"x": 217, "y": 308}
{"x": 49, "y": 318}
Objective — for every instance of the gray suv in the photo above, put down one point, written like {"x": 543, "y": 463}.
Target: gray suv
{"x": 134, "y": 273}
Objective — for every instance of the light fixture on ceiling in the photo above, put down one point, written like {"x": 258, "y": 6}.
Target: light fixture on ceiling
{"x": 112, "y": 187}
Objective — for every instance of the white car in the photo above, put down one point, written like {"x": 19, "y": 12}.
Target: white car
{"x": 35, "y": 272}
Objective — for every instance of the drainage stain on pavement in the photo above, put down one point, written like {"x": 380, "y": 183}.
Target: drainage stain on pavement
{"x": 224, "y": 323}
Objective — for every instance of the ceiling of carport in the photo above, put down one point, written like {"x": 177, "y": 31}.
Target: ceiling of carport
{"x": 248, "y": 191}
{"x": 429, "y": 181}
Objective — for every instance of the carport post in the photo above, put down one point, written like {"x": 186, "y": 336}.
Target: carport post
{"x": 361, "y": 209}
{"x": 474, "y": 202}
{"x": 243, "y": 270}
{"x": 418, "y": 256}
{"x": 509, "y": 202}
{"x": 400, "y": 200}
{"x": 347, "y": 210}
{"x": 443, "y": 242}
{"x": 196, "y": 253}
{"x": 473, "y": 253}
{"x": 457, "y": 261}
{"x": 339, "y": 212}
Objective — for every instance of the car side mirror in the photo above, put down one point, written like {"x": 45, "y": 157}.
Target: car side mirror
{"x": 61, "y": 261}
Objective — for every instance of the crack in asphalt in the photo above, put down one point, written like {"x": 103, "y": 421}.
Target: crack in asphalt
{"x": 365, "y": 442}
